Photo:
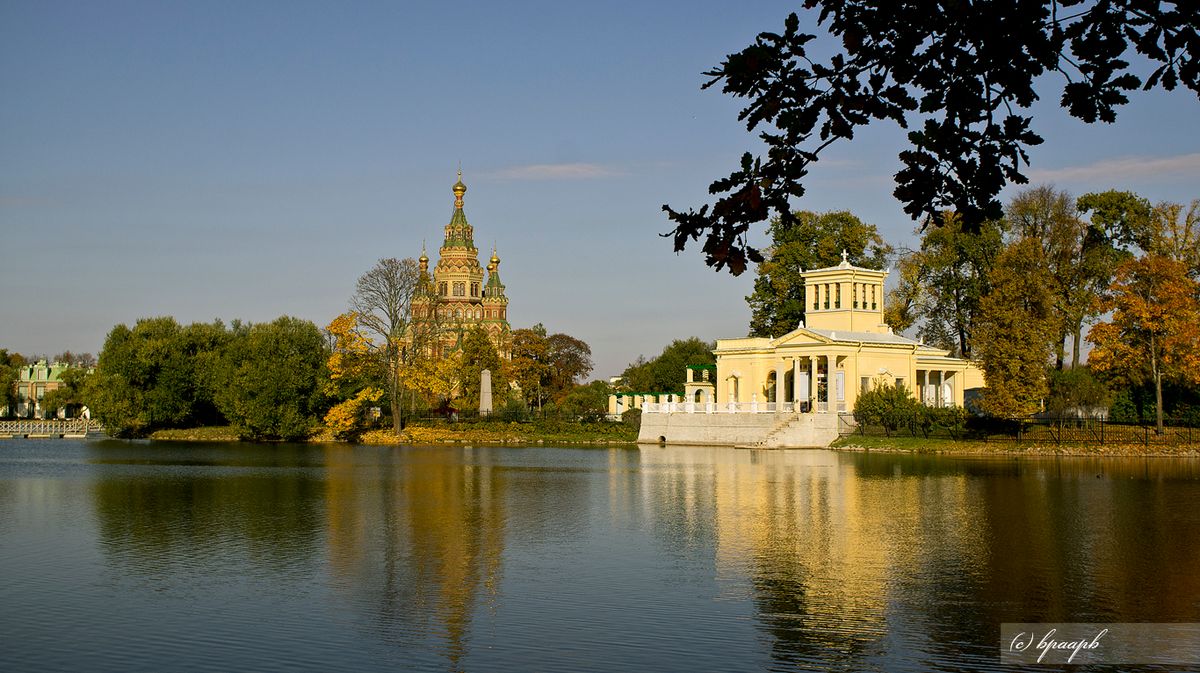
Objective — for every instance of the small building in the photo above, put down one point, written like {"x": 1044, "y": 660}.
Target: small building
{"x": 809, "y": 378}
{"x": 32, "y": 384}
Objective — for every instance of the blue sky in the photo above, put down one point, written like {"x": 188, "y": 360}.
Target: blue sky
{"x": 249, "y": 160}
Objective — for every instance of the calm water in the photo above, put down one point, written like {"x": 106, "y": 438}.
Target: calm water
{"x": 122, "y": 556}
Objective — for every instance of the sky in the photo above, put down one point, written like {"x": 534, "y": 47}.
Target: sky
{"x": 233, "y": 160}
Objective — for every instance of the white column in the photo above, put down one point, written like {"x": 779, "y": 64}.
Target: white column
{"x": 778, "y": 388}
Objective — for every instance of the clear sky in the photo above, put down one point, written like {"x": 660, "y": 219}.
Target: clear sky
{"x": 251, "y": 159}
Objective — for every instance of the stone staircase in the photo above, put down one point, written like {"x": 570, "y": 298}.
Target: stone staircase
{"x": 800, "y": 431}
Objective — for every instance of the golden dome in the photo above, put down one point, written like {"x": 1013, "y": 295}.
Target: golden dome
{"x": 459, "y": 188}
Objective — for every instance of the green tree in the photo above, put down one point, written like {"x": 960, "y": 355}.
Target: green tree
{"x": 479, "y": 354}
{"x": 888, "y": 406}
{"x": 963, "y": 76}
{"x": 1154, "y": 334}
{"x": 10, "y": 364}
{"x": 69, "y": 394}
{"x": 942, "y": 284}
{"x": 146, "y": 377}
{"x": 1016, "y": 326}
{"x": 271, "y": 379}
{"x": 667, "y": 373}
{"x": 811, "y": 241}
{"x": 587, "y": 402}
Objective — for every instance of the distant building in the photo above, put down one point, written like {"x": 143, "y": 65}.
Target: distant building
{"x": 32, "y": 384}
{"x": 457, "y": 287}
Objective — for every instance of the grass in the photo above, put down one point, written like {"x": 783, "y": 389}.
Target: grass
{"x": 216, "y": 433}
{"x": 504, "y": 432}
{"x": 906, "y": 443}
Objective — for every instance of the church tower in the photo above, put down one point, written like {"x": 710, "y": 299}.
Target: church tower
{"x": 464, "y": 302}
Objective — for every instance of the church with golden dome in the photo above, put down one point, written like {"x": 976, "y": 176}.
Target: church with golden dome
{"x": 457, "y": 286}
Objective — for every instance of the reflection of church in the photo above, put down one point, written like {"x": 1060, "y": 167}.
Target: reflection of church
{"x": 464, "y": 300}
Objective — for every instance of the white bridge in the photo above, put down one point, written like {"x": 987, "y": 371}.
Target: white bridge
{"x": 75, "y": 427}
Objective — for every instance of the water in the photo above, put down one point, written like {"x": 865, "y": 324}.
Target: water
{"x": 119, "y": 556}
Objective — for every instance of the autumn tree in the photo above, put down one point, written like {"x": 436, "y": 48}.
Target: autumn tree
{"x": 1080, "y": 255}
{"x": 547, "y": 366}
{"x": 963, "y": 77}
{"x": 1154, "y": 334}
{"x": 813, "y": 241}
{"x": 570, "y": 360}
{"x": 1015, "y": 328}
{"x": 383, "y": 307}
{"x": 1174, "y": 233}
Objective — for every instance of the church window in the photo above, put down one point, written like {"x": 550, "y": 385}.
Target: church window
{"x": 460, "y": 289}
{"x": 474, "y": 289}
{"x": 854, "y": 294}
{"x": 826, "y": 293}
{"x": 458, "y": 313}
{"x": 442, "y": 288}
{"x": 837, "y": 301}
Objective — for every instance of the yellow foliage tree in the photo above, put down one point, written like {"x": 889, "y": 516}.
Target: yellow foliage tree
{"x": 348, "y": 419}
{"x": 1154, "y": 333}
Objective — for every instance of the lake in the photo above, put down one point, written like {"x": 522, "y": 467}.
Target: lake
{"x": 143, "y": 556}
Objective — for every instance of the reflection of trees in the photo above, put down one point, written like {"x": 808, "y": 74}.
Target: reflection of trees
{"x": 176, "y": 515}
{"x": 856, "y": 560}
{"x": 417, "y": 548}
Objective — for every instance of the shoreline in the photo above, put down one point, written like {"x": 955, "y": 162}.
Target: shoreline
{"x": 523, "y": 434}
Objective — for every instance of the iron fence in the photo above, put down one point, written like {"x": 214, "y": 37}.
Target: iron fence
{"x": 1047, "y": 431}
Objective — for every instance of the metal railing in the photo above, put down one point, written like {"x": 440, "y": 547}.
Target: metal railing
{"x": 52, "y": 427}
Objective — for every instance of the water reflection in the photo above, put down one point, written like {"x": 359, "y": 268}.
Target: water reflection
{"x": 416, "y": 539}
{"x": 879, "y": 562}
{"x": 676, "y": 558}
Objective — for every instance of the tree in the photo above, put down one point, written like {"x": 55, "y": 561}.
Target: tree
{"x": 963, "y": 75}
{"x": 146, "y": 377}
{"x": 570, "y": 359}
{"x": 10, "y": 364}
{"x": 1174, "y": 233}
{"x": 1081, "y": 258}
{"x": 69, "y": 394}
{"x": 530, "y": 364}
{"x": 888, "y": 406}
{"x": 269, "y": 385}
{"x": 1154, "y": 334}
{"x": 587, "y": 402}
{"x": 383, "y": 305}
{"x": 943, "y": 283}
{"x": 1015, "y": 328}
{"x": 813, "y": 241}
{"x": 667, "y": 373}
{"x": 478, "y": 354}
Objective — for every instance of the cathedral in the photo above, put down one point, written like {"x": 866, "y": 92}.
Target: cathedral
{"x": 464, "y": 300}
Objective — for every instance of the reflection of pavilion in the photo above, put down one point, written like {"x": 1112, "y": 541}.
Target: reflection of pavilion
{"x": 842, "y": 348}
{"x": 825, "y": 549}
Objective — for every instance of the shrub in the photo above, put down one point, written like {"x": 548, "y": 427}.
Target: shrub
{"x": 632, "y": 418}
{"x": 888, "y": 406}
